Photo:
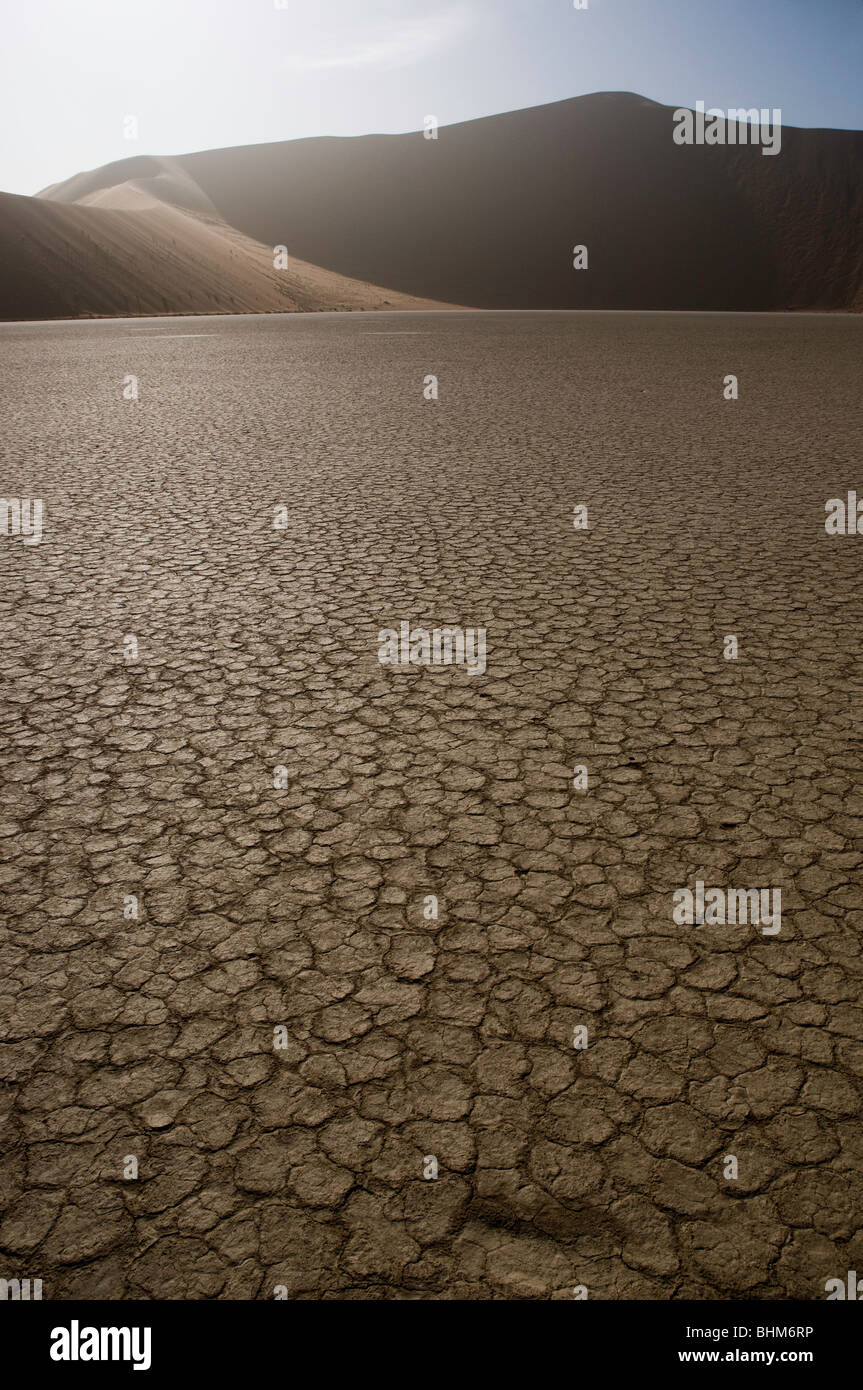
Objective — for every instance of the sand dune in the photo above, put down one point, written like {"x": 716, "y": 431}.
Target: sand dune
{"x": 163, "y": 178}
{"x": 128, "y": 251}
{"x": 487, "y": 215}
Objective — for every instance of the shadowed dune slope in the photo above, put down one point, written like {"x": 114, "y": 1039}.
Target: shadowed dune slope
{"x": 488, "y": 214}
{"x": 130, "y": 253}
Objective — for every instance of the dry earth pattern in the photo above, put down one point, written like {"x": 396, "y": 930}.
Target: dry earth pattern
{"x": 303, "y": 907}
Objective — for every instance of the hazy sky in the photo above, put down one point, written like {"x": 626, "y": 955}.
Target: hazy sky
{"x": 198, "y": 74}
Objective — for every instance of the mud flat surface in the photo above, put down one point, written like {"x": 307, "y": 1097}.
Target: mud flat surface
{"x": 303, "y": 907}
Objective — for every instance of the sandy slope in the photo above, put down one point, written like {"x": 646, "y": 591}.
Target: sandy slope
{"x": 125, "y": 251}
{"x": 487, "y": 215}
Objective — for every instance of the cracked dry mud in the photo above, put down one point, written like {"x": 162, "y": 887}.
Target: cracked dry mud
{"x": 303, "y": 1167}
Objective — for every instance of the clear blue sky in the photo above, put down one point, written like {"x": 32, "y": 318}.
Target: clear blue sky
{"x": 199, "y": 74}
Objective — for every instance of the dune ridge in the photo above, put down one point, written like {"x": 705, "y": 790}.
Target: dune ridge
{"x": 485, "y": 216}
{"x": 126, "y": 251}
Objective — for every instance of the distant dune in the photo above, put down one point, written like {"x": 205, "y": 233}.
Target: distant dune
{"x": 123, "y": 252}
{"x": 487, "y": 215}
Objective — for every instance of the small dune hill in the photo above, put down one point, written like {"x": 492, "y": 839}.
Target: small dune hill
{"x": 487, "y": 215}
{"x": 164, "y": 180}
{"x": 153, "y": 245}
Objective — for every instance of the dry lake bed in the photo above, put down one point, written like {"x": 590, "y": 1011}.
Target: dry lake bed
{"x": 347, "y": 979}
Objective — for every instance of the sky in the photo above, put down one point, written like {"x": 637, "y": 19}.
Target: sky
{"x": 200, "y": 74}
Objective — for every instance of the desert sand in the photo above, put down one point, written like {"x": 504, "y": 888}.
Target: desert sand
{"x": 126, "y": 251}
{"x": 488, "y": 214}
